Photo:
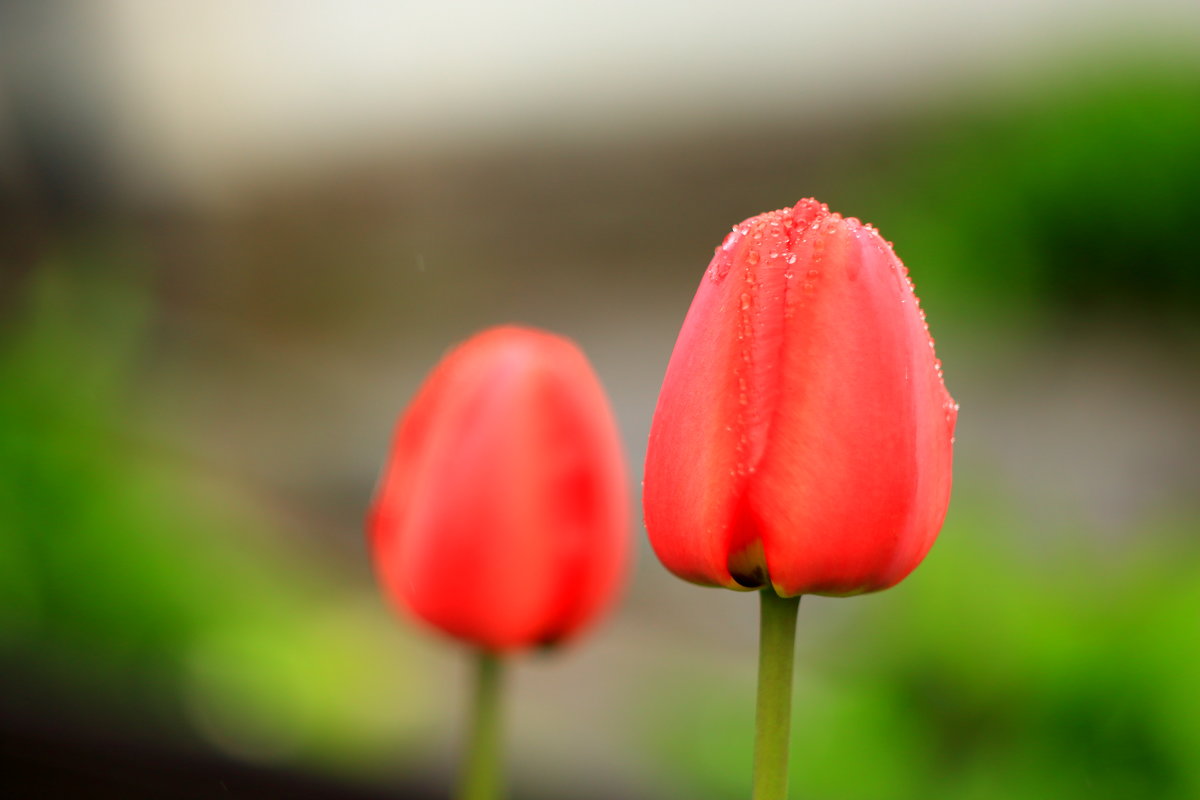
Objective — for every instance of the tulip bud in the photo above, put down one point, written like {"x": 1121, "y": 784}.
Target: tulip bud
{"x": 501, "y": 517}
{"x": 803, "y": 436}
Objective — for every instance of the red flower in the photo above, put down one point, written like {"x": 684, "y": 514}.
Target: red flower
{"x": 803, "y": 435}
{"x": 502, "y": 514}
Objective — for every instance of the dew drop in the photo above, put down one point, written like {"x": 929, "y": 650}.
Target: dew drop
{"x": 720, "y": 267}
{"x": 790, "y": 258}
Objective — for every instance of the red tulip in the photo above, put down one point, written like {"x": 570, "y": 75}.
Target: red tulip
{"x": 502, "y": 514}
{"x": 803, "y": 435}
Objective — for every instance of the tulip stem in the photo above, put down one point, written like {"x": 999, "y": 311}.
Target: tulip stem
{"x": 773, "y": 723}
{"x": 481, "y": 777}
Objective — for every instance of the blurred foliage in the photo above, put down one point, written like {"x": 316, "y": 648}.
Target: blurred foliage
{"x": 136, "y": 584}
{"x": 990, "y": 673}
{"x": 1080, "y": 196}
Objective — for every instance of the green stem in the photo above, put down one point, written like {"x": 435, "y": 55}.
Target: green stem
{"x": 773, "y": 724}
{"x": 481, "y": 777}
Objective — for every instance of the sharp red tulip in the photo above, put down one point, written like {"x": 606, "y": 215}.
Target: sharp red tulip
{"x": 501, "y": 517}
{"x": 803, "y": 435}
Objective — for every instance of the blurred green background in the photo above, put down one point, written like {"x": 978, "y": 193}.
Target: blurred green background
{"x": 236, "y": 236}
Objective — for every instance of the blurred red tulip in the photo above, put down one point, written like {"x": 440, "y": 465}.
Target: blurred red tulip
{"x": 803, "y": 434}
{"x": 501, "y": 517}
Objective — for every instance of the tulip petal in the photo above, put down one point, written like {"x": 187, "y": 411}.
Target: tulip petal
{"x": 712, "y": 420}
{"x": 853, "y": 487}
{"x": 583, "y": 503}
